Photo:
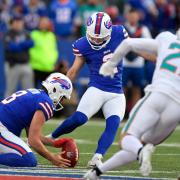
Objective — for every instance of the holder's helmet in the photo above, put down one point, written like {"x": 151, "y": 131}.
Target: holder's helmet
{"x": 58, "y": 86}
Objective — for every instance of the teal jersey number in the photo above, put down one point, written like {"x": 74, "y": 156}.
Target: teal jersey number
{"x": 165, "y": 64}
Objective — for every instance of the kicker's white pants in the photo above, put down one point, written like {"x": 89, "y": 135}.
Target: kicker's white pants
{"x": 94, "y": 99}
{"x": 153, "y": 118}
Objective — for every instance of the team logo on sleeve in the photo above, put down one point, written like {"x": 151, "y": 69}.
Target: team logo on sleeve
{"x": 64, "y": 83}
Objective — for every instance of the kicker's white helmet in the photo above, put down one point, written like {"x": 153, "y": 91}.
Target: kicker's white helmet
{"x": 58, "y": 86}
{"x": 99, "y": 28}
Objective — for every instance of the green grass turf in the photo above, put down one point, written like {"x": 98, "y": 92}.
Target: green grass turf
{"x": 166, "y": 159}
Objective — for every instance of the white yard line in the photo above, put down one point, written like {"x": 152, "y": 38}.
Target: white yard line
{"x": 82, "y": 141}
{"x": 154, "y": 154}
{"x": 91, "y": 122}
{"x": 98, "y": 122}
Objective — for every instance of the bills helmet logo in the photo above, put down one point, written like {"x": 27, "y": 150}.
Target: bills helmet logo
{"x": 63, "y": 83}
{"x": 108, "y": 24}
{"x": 89, "y": 21}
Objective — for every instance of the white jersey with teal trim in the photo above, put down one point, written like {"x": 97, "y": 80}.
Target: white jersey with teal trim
{"x": 166, "y": 78}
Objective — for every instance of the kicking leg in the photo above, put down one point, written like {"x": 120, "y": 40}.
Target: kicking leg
{"x": 90, "y": 103}
{"x": 71, "y": 123}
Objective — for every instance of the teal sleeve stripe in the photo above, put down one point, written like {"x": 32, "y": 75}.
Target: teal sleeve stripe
{"x": 126, "y": 127}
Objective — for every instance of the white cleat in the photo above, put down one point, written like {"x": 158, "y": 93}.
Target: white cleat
{"x": 95, "y": 161}
{"x": 91, "y": 175}
{"x": 145, "y": 159}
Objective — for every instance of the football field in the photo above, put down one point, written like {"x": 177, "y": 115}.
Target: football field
{"x": 166, "y": 159}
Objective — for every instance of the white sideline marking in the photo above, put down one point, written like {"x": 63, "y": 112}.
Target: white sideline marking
{"x": 79, "y": 170}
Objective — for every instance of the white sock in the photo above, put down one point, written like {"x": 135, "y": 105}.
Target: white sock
{"x": 120, "y": 158}
{"x": 50, "y": 136}
{"x": 131, "y": 143}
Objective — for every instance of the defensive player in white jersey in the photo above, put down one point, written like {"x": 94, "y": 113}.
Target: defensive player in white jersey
{"x": 156, "y": 115}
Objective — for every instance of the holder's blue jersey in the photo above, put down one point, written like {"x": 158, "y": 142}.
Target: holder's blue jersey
{"x": 18, "y": 109}
{"x": 95, "y": 58}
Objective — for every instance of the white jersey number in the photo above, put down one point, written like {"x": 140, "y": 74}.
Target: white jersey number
{"x": 13, "y": 97}
{"x": 63, "y": 15}
{"x": 166, "y": 62}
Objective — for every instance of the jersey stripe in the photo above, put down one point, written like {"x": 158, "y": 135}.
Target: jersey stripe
{"x": 49, "y": 108}
{"x": 12, "y": 145}
{"x": 125, "y": 33}
{"x": 46, "y": 110}
{"x": 76, "y": 52}
{"x": 99, "y": 17}
{"x": 132, "y": 117}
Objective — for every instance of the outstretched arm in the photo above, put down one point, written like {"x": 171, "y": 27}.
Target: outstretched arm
{"x": 35, "y": 141}
{"x": 134, "y": 44}
{"x": 138, "y": 45}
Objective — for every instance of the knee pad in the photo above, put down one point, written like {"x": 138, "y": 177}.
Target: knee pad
{"x": 80, "y": 118}
{"x": 30, "y": 159}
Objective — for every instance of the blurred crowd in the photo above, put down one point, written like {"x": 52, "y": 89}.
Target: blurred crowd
{"x": 36, "y": 38}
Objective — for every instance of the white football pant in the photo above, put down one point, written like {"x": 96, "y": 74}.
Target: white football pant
{"x": 94, "y": 99}
{"x": 153, "y": 118}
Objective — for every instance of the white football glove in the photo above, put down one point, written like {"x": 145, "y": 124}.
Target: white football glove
{"x": 107, "y": 69}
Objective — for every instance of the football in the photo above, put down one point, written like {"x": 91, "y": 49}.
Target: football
{"x": 71, "y": 152}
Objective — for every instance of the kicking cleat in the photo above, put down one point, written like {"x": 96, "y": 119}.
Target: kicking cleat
{"x": 95, "y": 161}
{"x": 145, "y": 159}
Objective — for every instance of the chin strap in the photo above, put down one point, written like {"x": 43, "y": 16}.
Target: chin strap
{"x": 58, "y": 106}
{"x": 97, "y": 47}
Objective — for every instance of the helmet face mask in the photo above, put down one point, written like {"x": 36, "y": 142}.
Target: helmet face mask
{"x": 99, "y": 28}
{"x": 97, "y": 41}
{"x": 58, "y": 105}
{"x": 58, "y": 86}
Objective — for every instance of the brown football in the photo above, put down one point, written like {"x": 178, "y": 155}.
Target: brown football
{"x": 71, "y": 152}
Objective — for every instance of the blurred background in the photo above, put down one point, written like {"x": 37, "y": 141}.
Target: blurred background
{"x": 36, "y": 38}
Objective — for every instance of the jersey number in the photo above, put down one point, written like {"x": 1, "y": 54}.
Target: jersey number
{"x": 108, "y": 57}
{"x": 166, "y": 62}
{"x": 13, "y": 97}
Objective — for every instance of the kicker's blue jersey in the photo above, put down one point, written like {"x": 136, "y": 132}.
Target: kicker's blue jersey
{"x": 95, "y": 58}
{"x": 18, "y": 109}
